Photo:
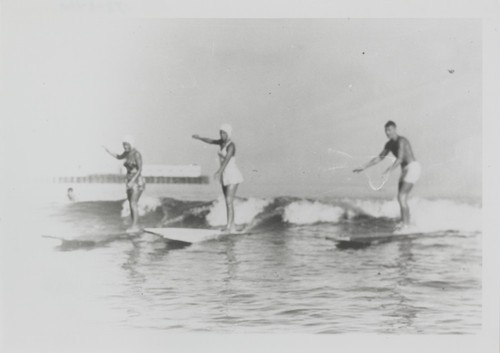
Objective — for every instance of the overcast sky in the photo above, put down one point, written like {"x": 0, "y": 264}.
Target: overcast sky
{"x": 294, "y": 91}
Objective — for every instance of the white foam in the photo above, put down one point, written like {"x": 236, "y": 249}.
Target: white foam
{"x": 146, "y": 204}
{"x": 377, "y": 208}
{"x": 307, "y": 212}
{"x": 428, "y": 215}
{"x": 244, "y": 211}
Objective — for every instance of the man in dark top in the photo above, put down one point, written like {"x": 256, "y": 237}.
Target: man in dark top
{"x": 410, "y": 168}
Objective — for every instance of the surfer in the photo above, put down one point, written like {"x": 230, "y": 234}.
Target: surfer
{"x": 228, "y": 174}
{"x": 410, "y": 168}
{"x": 135, "y": 182}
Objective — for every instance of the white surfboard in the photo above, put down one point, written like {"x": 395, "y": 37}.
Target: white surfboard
{"x": 187, "y": 235}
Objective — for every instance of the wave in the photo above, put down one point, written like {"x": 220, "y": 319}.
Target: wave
{"x": 259, "y": 213}
{"x": 310, "y": 212}
{"x": 146, "y": 205}
{"x": 245, "y": 211}
{"x": 429, "y": 215}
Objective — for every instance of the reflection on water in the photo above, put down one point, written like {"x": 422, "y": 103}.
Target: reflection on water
{"x": 290, "y": 282}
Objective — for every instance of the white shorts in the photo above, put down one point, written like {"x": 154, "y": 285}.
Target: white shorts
{"x": 411, "y": 173}
{"x": 231, "y": 175}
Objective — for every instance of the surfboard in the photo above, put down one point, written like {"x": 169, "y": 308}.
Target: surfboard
{"x": 362, "y": 240}
{"x": 92, "y": 239}
{"x": 189, "y": 235}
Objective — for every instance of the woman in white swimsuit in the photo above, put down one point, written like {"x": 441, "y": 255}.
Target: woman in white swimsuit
{"x": 228, "y": 174}
{"x": 135, "y": 182}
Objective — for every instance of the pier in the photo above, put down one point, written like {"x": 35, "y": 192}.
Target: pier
{"x": 153, "y": 174}
{"x": 119, "y": 178}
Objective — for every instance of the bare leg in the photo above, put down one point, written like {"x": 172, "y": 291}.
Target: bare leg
{"x": 225, "y": 192}
{"x": 133, "y": 195}
{"x": 403, "y": 192}
{"x": 229, "y": 197}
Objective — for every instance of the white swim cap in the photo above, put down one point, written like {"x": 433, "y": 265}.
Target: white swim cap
{"x": 227, "y": 129}
{"x": 129, "y": 139}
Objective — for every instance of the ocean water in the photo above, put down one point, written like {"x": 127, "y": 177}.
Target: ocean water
{"x": 288, "y": 276}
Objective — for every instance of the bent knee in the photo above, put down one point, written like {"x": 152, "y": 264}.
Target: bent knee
{"x": 402, "y": 198}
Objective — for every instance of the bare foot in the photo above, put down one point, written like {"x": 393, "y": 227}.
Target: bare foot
{"x": 405, "y": 229}
{"x": 228, "y": 230}
{"x": 133, "y": 230}
{"x": 399, "y": 226}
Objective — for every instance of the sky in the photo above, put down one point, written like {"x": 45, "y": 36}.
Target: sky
{"x": 300, "y": 94}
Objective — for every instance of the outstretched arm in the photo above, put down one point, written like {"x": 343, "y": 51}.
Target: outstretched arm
{"x": 115, "y": 155}
{"x": 372, "y": 161}
{"x": 207, "y": 140}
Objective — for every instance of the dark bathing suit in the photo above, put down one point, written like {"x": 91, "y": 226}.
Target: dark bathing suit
{"x": 132, "y": 167}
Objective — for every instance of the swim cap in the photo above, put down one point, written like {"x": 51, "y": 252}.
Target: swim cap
{"x": 227, "y": 129}
{"x": 129, "y": 139}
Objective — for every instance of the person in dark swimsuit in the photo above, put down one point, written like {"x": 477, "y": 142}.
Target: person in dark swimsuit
{"x": 135, "y": 182}
{"x": 400, "y": 147}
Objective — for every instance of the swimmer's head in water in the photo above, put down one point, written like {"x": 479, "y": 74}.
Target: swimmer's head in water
{"x": 225, "y": 132}
{"x": 71, "y": 195}
{"x": 391, "y": 130}
{"x": 128, "y": 142}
